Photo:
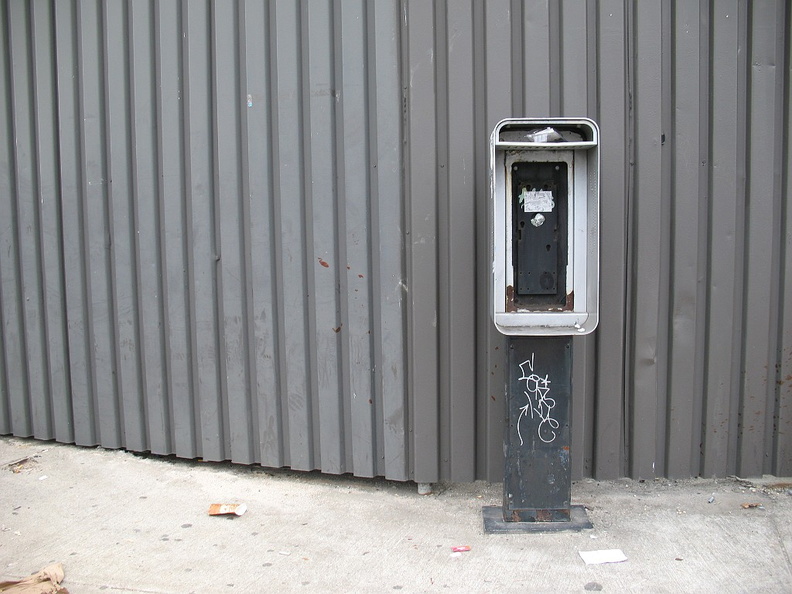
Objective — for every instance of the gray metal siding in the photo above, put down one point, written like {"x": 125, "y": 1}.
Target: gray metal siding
{"x": 256, "y": 231}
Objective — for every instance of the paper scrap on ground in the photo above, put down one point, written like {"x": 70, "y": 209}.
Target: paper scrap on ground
{"x": 223, "y": 509}
{"x": 46, "y": 581}
{"x": 598, "y": 557}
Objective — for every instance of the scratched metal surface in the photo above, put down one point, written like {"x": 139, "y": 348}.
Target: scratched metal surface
{"x": 256, "y": 232}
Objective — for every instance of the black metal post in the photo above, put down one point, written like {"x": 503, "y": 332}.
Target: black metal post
{"x": 537, "y": 486}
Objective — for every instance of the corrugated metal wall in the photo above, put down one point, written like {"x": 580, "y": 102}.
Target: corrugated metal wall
{"x": 256, "y": 231}
{"x": 202, "y": 230}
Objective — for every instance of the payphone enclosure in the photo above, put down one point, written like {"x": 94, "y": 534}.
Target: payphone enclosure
{"x": 545, "y": 226}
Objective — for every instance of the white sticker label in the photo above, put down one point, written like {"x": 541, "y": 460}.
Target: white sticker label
{"x": 537, "y": 200}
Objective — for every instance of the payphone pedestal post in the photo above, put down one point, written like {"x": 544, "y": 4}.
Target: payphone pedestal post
{"x": 537, "y": 475}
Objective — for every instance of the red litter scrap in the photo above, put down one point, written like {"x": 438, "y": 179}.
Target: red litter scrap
{"x": 463, "y": 549}
{"x": 226, "y": 509}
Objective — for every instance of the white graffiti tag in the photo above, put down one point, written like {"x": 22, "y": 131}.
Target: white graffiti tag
{"x": 540, "y": 405}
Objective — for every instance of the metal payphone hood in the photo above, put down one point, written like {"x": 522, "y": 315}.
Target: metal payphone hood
{"x": 544, "y": 233}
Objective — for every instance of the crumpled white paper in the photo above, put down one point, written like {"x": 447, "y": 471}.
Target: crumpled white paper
{"x": 599, "y": 557}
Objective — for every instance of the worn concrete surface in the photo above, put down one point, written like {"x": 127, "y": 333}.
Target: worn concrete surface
{"x": 121, "y": 522}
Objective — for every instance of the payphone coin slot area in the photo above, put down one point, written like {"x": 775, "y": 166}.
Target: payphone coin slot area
{"x": 540, "y": 213}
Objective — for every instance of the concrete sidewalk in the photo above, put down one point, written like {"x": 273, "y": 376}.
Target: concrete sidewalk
{"x": 128, "y": 523}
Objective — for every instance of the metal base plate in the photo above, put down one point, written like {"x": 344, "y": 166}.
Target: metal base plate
{"x": 494, "y": 523}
